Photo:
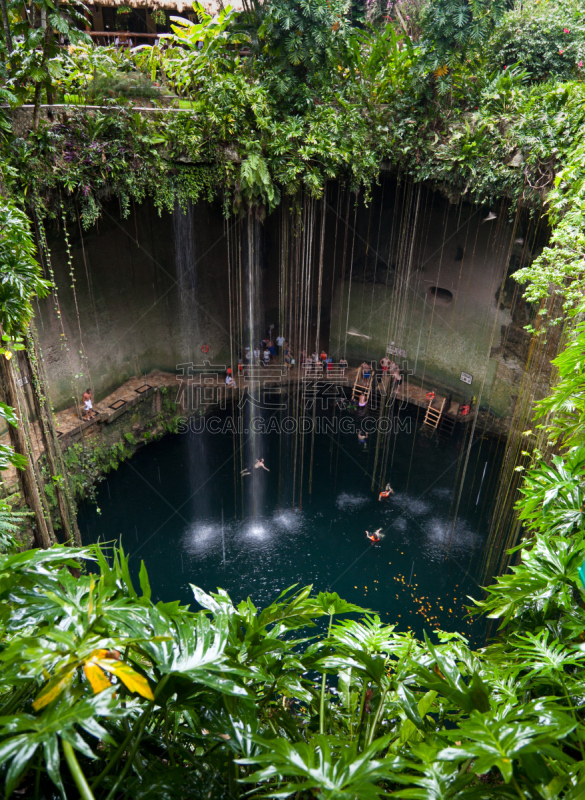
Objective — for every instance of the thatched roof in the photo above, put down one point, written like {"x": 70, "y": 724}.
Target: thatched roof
{"x": 180, "y": 6}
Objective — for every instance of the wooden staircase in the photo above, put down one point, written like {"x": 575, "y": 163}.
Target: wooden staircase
{"x": 433, "y": 415}
{"x": 362, "y": 385}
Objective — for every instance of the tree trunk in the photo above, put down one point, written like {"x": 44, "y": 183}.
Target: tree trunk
{"x": 31, "y": 361}
{"x": 44, "y": 536}
{"x": 6, "y": 21}
{"x": 37, "y": 105}
{"x": 39, "y": 86}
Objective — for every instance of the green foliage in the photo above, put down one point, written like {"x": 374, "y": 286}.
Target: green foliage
{"x": 561, "y": 263}
{"x": 11, "y": 524}
{"x": 547, "y": 38}
{"x": 35, "y": 58}
{"x": 78, "y": 66}
{"x": 543, "y": 592}
{"x": 167, "y": 702}
{"x": 563, "y": 410}
{"x": 205, "y": 36}
{"x": 21, "y": 273}
{"x": 304, "y": 36}
{"x": 8, "y": 457}
{"x": 460, "y": 24}
{"x": 275, "y": 110}
{"x": 88, "y": 464}
{"x": 122, "y": 86}
{"x": 381, "y": 63}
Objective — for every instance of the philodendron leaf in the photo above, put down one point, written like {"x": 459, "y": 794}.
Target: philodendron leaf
{"x": 409, "y": 729}
{"x": 331, "y": 603}
{"x": 131, "y": 679}
{"x": 54, "y": 688}
{"x": 96, "y": 678}
{"x": 144, "y": 582}
{"x": 53, "y": 761}
{"x": 19, "y": 763}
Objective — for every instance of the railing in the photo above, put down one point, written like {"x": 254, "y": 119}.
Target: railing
{"x": 123, "y": 38}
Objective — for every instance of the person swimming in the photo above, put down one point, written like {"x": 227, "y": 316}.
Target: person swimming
{"x": 388, "y": 490}
{"x": 260, "y": 463}
{"x": 376, "y": 536}
{"x": 362, "y": 402}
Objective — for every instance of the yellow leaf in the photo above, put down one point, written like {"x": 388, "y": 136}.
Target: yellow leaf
{"x": 130, "y": 678}
{"x": 101, "y": 653}
{"x": 440, "y": 71}
{"x": 96, "y": 677}
{"x": 54, "y": 688}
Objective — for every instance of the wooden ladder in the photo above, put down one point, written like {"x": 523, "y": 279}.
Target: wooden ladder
{"x": 362, "y": 385}
{"x": 433, "y": 415}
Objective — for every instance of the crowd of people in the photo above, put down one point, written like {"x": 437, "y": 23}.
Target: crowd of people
{"x": 278, "y": 349}
{"x": 266, "y": 352}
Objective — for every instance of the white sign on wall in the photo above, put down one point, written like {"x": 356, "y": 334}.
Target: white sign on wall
{"x": 395, "y": 351}
{"x": 466, "y": 378}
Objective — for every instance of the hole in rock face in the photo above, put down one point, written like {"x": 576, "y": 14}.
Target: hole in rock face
{"x": 442, "y": 297}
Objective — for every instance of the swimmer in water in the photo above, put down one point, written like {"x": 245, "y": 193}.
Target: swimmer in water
{"x": 362, "y": 437}
{"x": 386, "y": 493}
{"x": 260, "y": 463}
{"x": 376, "y": 536}
{"x": 245, "y": 472}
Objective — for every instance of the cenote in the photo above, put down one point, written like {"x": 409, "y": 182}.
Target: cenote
{"x": 292, "y": 310}
{"x": 180, "y": 506}
{"x": 401, "y": 299}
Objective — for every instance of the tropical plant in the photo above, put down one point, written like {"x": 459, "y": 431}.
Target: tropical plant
{"x": 547, "y": 39}
{"x": 8, "y": 457}
{"x": 381, "y": 61}
{"x": 21, "y": 273}
{"x": 33, "y": 62}
{"x": 455, "y": 25}
{"x": 563, "y": 411}
{"x": 163, "y": 701}
{"x": 11, "y": 523}
{"x": 78, "y": 66}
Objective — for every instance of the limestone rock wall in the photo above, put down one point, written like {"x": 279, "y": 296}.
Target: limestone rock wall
{"x": 409, "y": 267}
{"x": 126, "y": 316}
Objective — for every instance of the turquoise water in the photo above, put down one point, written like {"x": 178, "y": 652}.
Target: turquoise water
{"x": 177, "y": 505}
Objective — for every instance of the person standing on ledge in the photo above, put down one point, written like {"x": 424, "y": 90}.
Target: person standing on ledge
{"x": 87, "y": 404}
